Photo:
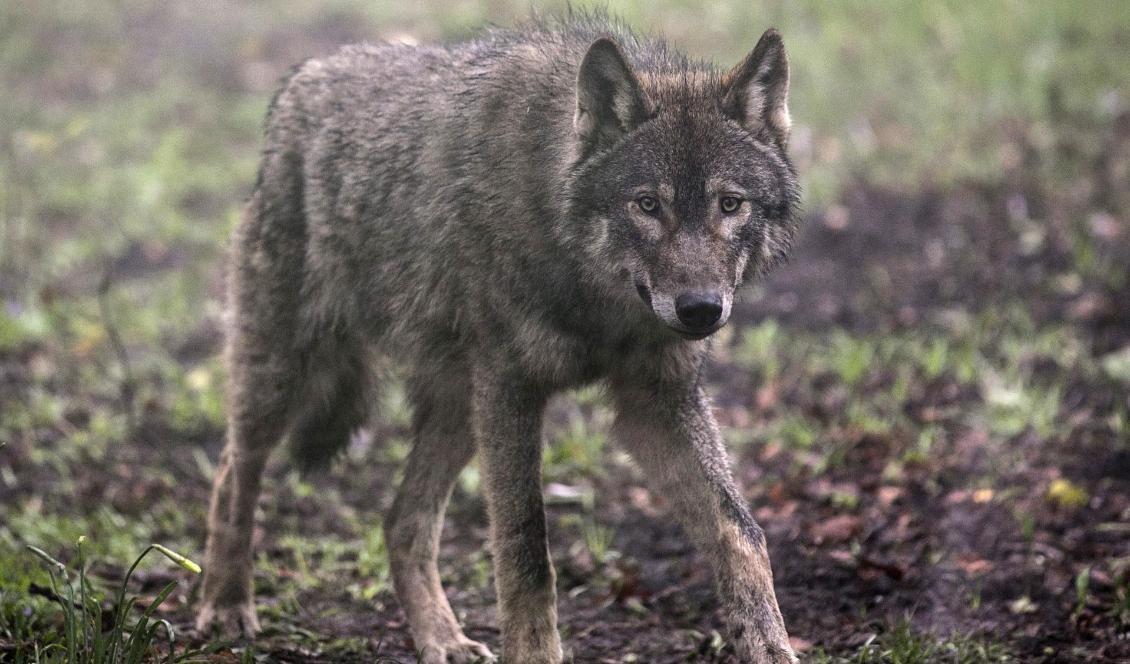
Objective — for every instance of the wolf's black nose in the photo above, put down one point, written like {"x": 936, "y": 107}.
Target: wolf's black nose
{"x": 699, "y": 311}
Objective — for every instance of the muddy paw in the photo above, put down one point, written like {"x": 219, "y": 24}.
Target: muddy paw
{"x": 228, "y": 622}
{"x": 461, "y": 651}
{"x": 552, "y": 655}
{"x": 760, "y": 651}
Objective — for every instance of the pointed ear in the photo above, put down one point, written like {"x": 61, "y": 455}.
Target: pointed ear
{"x": 757, "y": 90}
{"x": 609, "y": 101}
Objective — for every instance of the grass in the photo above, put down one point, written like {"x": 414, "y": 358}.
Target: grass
{"x": 875, "y": 378}
{"x": 83, "y": 638}
{"x": 903, "y": 645}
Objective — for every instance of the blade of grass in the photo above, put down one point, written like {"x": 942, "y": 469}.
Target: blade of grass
{"x": 121, "y": 608}
{"x": 86, "y": 635}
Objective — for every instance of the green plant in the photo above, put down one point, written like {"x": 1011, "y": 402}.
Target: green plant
{"x": 1121, "y": 608}
{"x": 851, "y": 358}
{"x": 84, "y": 640}
{"x": 1082, "y": 587}
{"x": 372, "y": 564}
{"x": 936, "y": 358}
{"x": 598, "y": 540}
{"x": 902, "y": 645}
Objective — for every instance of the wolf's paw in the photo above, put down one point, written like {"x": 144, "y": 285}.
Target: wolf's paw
{"x": 543, "y": 655}
{"x": 459, "y": 651}
{"x": 756, "y": 648}
{"x": 228, "y": 622}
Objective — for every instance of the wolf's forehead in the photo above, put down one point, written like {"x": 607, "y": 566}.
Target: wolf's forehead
{"x": 680, "y": 82}
{"x": 699, "y": 146}
{"x": 687, "y": 90}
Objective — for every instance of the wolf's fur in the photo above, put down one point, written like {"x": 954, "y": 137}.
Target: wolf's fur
{"x": 478, "y": 213}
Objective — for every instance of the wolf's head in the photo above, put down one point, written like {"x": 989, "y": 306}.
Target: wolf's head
{"x": 683, "y": 185}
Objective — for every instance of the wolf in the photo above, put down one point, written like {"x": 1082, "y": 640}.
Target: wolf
{"x": 540, "y": 208}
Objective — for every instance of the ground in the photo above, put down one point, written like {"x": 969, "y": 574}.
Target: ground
{"x": 927, "y": 407}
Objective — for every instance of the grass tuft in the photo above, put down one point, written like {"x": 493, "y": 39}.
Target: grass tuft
{"x": 84, "y": 639}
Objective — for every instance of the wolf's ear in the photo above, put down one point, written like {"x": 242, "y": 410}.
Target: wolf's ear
{"x": 609, "y": 101}
{"x": 757, "y": 90}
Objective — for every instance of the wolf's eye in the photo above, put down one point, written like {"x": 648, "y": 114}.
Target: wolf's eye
{"x": 648, "y": 204}
{"x": 730, "y": 204}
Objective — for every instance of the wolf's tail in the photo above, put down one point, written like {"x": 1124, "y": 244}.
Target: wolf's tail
{"x": 325, "y": 423}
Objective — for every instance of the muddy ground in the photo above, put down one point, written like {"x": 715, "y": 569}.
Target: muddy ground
{"x": 917, "y": 545}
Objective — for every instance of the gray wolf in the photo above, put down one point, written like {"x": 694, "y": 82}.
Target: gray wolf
{"x": 531, "y": 211}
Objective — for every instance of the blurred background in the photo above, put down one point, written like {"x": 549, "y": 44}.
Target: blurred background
{"x": 927, "y": 408}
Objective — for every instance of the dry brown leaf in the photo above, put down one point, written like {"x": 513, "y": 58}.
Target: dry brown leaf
{"x": 836, "y": 529}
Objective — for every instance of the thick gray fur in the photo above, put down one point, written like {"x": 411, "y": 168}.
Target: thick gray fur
{"x": 505, "y": 218}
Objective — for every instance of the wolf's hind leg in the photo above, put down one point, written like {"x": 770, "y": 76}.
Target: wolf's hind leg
{"x": 443, "y": 446}
{"x": 263, "y": 372}
{"x": 256, "y": 422}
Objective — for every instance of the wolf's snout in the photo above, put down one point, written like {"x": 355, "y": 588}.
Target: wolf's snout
{"x": 699, "y": 311}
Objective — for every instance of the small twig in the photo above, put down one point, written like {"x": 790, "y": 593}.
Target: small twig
{"x": 126, "y": 390}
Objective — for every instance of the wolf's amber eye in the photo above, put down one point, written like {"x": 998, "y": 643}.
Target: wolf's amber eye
{"x": 730, "y": 204}
{"x": 648, "y": 204}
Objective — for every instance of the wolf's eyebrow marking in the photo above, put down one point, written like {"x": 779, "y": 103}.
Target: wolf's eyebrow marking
{"x": 767, "y": 152}
{"x": 719, "y": 185}
{"x": 665, "y": 191}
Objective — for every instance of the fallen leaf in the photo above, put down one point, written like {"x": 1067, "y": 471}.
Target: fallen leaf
{"x": 1022, "y": 605}
{"x": 837, "y": 529}
{"x": 199, "y": 379}
{"x": 1088, "y": 306}
{"x": 982, "y": 496}
{"x": 641, "y": 499}
{"x": 956, "y": 497}
{"x": 837, "y": 217}
{"x": 777, "y": 512}
{"x": 1117, "y": 364}
{"x": 974, "y": 566}
{"x": 889, "y": 494}
{"x": 1105, "y": 226}
{"x": 776, "y": 492}
{"x": 1067, "y": 495}
{"x": 770, "y": 452}
{"x": 891, "y": 568}
{"x": 766, "y": 397}
{"x": 902, "y": 526}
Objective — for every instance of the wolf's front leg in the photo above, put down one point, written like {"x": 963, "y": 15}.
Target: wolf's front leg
{"x": 671, "y": 433}
{"x": 444, "y": 445}
{"x": 507, "y": 421}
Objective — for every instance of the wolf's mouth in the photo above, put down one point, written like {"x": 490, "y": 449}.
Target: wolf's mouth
{"x": 695, "y": 336}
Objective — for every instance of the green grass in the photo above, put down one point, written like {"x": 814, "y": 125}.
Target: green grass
{"x": 903, "y": 645}
{"x": 874, "y": 378}
{"x": 83, "y": 638}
